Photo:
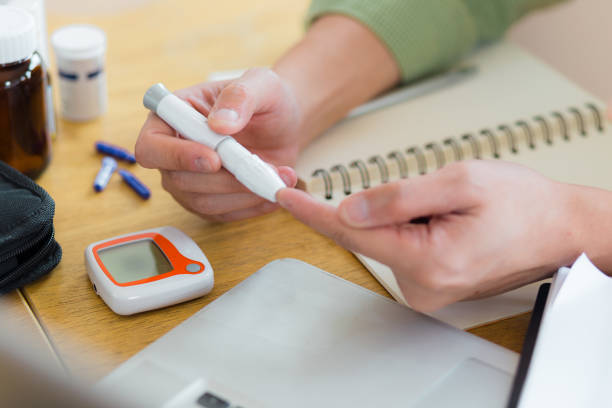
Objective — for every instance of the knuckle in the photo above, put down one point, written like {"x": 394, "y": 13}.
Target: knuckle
{"x": 447, "y": 276}
{"x": 420, "y": 300}
{"x": 432, "y": 280}
{"x": 235, "y": 90}
{"x": 174, "y": 180}
{"x": 166, "y": 181}
{"x": 458, "y": 172}
{"x": 180, "y": 159}
{"x": 465, "y": 178}
{"x": 424, "y": 304}
{"x": 204, "y": 204}
{"x": 399, "y": 197}
{"x": 262, "y": 72}
{"x": 182, "y": 93}
{"x": 209, "y": 94}
{"x": 208, "y": 204}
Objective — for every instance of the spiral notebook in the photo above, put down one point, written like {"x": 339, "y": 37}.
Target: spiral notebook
{"x": 515, "y": 108}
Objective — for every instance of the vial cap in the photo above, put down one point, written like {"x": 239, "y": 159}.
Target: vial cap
{"x": 17, "y": 34}
{"x": 78, "y": 42}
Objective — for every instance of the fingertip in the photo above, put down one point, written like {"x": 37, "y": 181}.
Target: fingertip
{"x": 223, "y": 120}
{"x": 223, "y": 127}
{"x": 288, "y": 175}
{"x": 284, "y": 197}
{"x": 214, "y": 161}
{"x": 292, "y": 199}
{"x": 232, "y": 109}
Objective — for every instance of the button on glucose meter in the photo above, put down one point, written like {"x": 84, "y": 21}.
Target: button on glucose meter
{"x": 148, "y": 270}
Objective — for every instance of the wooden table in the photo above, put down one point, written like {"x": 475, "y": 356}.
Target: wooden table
{"x": 178, "y": 42}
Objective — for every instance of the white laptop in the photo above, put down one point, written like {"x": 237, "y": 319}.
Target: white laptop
{"x": 294, "y": 335}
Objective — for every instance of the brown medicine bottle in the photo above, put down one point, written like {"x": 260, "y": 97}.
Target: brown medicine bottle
{"x": 24, "y": 139}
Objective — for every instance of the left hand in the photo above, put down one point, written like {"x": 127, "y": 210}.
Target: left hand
{"x": 493, "y": 226}
{"x": 259, "y": 110}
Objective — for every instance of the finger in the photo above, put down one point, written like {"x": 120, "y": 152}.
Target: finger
{"x": 217, "y": 204}
{"x": 378, "y": 243}
{"x": 254, "y": 91}
{"x": 288, "y": 175}
{"x": 438, "y": 193}
{"x": 221, "y": 182}
{"x": 157, "y": 147}
{"x": 260, "y": 209}
{"x": 202, "y": 96}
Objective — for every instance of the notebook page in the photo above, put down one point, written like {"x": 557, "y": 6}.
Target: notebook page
{"x": 510, "y": 86}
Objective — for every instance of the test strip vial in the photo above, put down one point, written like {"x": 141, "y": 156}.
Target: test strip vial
{"x": 79, "y": 51}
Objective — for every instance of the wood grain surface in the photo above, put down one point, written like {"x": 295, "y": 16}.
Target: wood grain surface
{"x": 178, "y": 42}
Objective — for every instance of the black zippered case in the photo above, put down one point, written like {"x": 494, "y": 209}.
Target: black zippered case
{"x": 28, "y": 249}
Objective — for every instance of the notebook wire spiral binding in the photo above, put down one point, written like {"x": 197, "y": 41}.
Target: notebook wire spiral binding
{"x": 506, "y": 138}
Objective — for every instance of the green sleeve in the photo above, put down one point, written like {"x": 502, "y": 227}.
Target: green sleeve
{"x": 429, "y": 35}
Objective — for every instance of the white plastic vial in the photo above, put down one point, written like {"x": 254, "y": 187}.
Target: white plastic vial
{"x": 79, "y": 52}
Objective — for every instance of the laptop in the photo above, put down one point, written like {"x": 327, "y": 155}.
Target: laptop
{"x": 294, "y": 335}
{"x": 289, "y": 335}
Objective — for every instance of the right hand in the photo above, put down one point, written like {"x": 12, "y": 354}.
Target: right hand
{"x": 259, "y": 110}
{"x": 492, "y": 227}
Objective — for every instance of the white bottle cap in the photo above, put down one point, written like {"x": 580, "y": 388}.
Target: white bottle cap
{"x": 17, "y": 34}
{"x": 37, "y": 9}
{"x": 78, "y": 42}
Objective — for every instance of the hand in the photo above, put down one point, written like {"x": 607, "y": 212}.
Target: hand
{"x": 259, "y": 110}
{"x": 493, "y": 226}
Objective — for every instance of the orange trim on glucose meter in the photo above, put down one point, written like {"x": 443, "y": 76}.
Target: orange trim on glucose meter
{"x": 178, "y": 261}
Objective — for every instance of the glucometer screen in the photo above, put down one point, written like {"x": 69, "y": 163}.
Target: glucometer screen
{"x": 135, "y": 261}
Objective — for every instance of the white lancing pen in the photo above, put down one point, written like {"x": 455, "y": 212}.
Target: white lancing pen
{"x": 248, "y": 168}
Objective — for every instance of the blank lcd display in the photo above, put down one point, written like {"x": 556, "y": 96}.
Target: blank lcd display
{"x": 135, "y": 261}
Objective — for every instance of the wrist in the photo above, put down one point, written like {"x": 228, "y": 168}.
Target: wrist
{"x": 338, "y": 65}
{"x": 589, "y": 218}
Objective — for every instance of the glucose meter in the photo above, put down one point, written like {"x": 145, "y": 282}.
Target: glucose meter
{"x": 148, "y": 270}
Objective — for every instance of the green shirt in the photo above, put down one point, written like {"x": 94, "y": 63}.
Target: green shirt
{"x": 429, "y": 35}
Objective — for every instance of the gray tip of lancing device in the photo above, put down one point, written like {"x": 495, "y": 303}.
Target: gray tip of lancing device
{"x": 154, "y": 95}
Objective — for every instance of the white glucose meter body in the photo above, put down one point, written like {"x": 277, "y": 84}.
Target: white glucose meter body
{"x": 148, "y": 270}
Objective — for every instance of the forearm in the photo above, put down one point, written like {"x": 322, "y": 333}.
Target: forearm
{"x": 355, "y": 49}
{"x": 338, "y": 65}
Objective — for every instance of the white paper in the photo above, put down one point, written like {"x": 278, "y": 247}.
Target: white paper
{"x": 572, "y": 360}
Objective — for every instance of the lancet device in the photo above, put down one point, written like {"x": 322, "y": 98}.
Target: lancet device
{"x": 248, "y": 168}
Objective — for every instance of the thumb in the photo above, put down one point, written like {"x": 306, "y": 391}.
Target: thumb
{"x": 442, "y": 192}
{"x": 253, "y": 92}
